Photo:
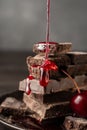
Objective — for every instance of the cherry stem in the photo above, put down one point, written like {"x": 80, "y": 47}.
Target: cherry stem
{"x": 72, "y": 81}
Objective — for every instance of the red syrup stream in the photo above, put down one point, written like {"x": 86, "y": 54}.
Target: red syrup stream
{"x": 47, "y": 28}
{"x": 47, "y": 65}
{"x": 44, "y": 77}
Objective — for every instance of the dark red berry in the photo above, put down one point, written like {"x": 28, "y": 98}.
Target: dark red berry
{"x": 79, "y": 104}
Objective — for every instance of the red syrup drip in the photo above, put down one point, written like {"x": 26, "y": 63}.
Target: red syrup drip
{"x": 28, "y": 89}
{"x": 45, "y": 68}
{"x": 44, "y": 79}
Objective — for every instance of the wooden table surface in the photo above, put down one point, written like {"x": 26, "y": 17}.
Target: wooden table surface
{"x": 13, "y": 69}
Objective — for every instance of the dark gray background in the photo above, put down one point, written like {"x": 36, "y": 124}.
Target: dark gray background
{"x": 23, "y": 23}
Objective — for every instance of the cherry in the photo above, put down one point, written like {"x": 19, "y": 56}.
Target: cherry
{"x": 79, "y": 104}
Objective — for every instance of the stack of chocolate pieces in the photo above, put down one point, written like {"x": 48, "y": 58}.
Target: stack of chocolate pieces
{"x": 53, "y": 100}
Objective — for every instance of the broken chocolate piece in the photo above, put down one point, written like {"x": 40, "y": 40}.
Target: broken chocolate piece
{"x": 54, "y": 86}
{"x": 78, "y": 57}
{"x": 45, "y": 111}
{"x": 12, "y": 106}
{"x": 75, "y": 123}
{"x": 41, "y": 47}
{"x": 77, "y": 69}
{"x": 54, "y": 48}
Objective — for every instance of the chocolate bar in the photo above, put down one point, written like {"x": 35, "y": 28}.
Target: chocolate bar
{"x": 54, "y": 86}
{"x": 54, "y": 48}
{"x": 78, "y": 57}
{"x": 45, "y": 111}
